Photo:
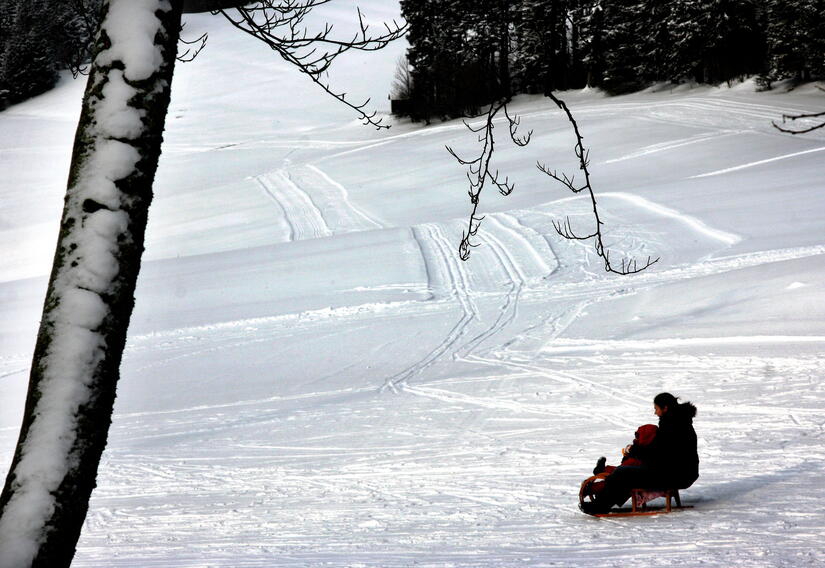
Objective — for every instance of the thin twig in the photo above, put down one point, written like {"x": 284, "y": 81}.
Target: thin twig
{"x": 190, "y": 54}
{"x": 279, "y": 24}
{"x": 793, "y": 117}
{"x": 564, "y": 229}
{"x": 478, "y": 169}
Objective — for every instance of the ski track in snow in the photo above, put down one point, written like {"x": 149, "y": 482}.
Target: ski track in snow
{"x": 729, "y": 239}
{"x": 449, "y": 282}
{"x": 515, "y": 282}
{"x": 739, "y": 116}
{"x": 447, "y": 277}
{"x": 672, "y": 145}
{"x": 446, "y": 273}
{"x": 758, "y": 163}
{"x": 313, "y": 204}
{"x": 341, "y": 214}
{"x": 708, "y": 107}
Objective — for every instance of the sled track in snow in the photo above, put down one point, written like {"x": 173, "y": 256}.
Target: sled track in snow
{"x": 712, "y": 113}
{"x": 300, "y": 212}
{"x": 712, "y": 267}
{"x": 512, "y": 406}
{"x": 566, "y": 377}
{"x": 717, "y": 266}
{"x": 12, "y": 373}
{"x": 593, "y": 387}
{"x": 695, "y": 224}
{"x": 507, "y": 313}
{"x": 658, "y": 275}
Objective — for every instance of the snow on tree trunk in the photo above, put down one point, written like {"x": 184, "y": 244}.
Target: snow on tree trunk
{"x": 91, "y": 291}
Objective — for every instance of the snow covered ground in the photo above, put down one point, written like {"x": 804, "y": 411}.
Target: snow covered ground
{"x": 314, "y": 378}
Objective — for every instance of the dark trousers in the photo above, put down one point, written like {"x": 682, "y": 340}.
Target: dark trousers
{"x": 618, "y": 484}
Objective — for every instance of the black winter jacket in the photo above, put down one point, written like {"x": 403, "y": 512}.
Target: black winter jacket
{"x": 672, "y": 456}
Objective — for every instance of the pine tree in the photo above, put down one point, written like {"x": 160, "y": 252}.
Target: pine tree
{"x": 535, "y": 57}
{"x": 459, "y": 55}
{"x": 657, "y": 44}
{"x": 28, "y": 56}
{"x": 466, "y": 53}
{"x": 623, "y": 62}
{"x": 72, "y": 32}
{"x": 796, "y": 38}
{"x": 592, "y": 42}
{"x": 735, "y": 40}
{"x": 577, "y": 13}
{"x": 7, "y": 16}
{"x": 40, "y": 37}
{"x": 550, "y": 46}
{"x": 715, "y": 40}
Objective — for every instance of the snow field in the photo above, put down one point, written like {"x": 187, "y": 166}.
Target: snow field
{"x": 314, "y": 378}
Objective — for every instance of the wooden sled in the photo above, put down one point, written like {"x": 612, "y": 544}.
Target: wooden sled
{"x": 639, "y": 498}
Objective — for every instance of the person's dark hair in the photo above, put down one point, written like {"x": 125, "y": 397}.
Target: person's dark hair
{"x": 672, "y": 403}
{"x": 666, "y": 399}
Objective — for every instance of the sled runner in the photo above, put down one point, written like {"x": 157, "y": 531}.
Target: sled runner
{"x": 638, "y": 499}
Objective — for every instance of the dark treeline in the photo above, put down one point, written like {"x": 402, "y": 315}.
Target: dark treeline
{"x": 465, "y": 53}
{"x": 38, "y": 38}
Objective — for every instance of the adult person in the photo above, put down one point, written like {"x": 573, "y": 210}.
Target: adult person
{"x": 670, "y": 461}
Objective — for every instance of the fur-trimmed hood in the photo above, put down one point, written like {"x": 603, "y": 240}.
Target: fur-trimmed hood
{"x": 682, "y": 414}
{"x": 687, "y": 410}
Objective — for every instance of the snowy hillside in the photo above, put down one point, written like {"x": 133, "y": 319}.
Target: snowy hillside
{"x": 313, "y": 377}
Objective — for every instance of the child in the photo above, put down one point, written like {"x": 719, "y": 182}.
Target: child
{"x": 593, "y": 486}
{"x": 644, "y": 436}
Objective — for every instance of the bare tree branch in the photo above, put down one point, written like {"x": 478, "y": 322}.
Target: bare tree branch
{"x": 793, "y": 117}
{"x": 190, "y": 54}
{"x": 280, "y": 25}
{"x": 478, "y": 169}
{"x": 479, "y": 173}
{"x": 87, "y": 17}
{"x": 626, "y": 266}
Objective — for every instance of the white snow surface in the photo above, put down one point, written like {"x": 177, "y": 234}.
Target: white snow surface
{"x": 313, "y": 377}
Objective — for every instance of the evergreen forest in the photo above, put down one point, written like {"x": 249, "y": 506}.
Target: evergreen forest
{"x": 465, "y": 53}
{"x": 39, "y": 38}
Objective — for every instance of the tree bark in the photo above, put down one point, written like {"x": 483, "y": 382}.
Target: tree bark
{"x": 90, "y": 298}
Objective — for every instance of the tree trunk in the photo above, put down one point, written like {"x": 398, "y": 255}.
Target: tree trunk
{"x": 89, "y": 302}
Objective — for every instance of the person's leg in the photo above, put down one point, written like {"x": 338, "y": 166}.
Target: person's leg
{"x": 617, "y": 487}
